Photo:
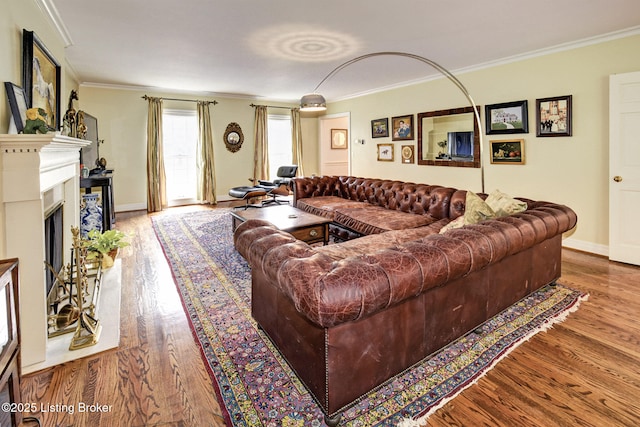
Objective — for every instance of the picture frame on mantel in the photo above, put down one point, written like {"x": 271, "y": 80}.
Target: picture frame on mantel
{"x": 41, "y": 78}
{"x": 17, "y": 105}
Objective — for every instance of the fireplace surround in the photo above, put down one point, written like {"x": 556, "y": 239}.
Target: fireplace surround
{"x": 38, "y": 174}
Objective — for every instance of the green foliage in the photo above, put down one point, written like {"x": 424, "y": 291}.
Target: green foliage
{"x": 105, "y": 242}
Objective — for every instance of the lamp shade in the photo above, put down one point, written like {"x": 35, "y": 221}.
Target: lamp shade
{"x": 313, "y": 102}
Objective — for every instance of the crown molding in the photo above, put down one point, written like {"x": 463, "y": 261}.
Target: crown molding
{"x": 50, "y": 11}
{"x": 589, "y": 41}
{"x": 156, "y": 89}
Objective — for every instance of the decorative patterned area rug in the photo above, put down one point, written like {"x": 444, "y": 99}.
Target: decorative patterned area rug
{"x": 255, "y": 385}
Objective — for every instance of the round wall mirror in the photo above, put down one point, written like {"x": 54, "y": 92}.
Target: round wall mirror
{"x": 233, "y": 137}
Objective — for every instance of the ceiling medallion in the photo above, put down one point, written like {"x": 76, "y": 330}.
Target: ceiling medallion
{"x": 305, "y": 45}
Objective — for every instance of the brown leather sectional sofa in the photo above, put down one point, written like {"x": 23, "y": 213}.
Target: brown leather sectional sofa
{"x": 349, "y": 316}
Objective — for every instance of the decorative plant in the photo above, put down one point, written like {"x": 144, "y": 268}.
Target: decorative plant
{"x": 105, "y": 245}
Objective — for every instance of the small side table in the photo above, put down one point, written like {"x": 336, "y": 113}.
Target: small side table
{"x": 106, "y": 182}
{"x": 10, "y": 348}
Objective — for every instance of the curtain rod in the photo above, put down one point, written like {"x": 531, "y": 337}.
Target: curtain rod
{"x": 270, "y": 106}
{"x": 214, "y": 102}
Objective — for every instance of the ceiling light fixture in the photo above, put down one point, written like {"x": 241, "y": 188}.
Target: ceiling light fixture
{"x": 316, "y": 102}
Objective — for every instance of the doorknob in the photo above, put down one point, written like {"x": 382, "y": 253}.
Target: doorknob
{"x": 617, "y": 178}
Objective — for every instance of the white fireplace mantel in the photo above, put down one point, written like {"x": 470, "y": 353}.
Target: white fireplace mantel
{"x": 37, "y": 171}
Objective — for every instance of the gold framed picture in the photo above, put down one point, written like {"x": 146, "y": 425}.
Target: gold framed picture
{"x": 339, "y": 139}
{"x": 385, "y": 152}
{"x": 407, "y": 153}
{"x": 507, "y": 152}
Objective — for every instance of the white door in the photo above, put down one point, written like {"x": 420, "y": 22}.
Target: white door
{"x": 334, "y": 160}
{"x": 624, "y": 168}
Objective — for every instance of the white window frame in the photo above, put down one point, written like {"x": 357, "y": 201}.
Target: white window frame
{"x": 183, "y": 200}
{"x": 279, "y": 158}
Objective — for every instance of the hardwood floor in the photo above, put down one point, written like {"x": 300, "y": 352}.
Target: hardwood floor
{"x": 585, "y": 371}
{"x": 156, "y": 376}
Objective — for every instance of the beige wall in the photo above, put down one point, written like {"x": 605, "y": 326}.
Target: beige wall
{"x": 122, "y": 121}
{"x": 16, "y": 15}
{"x": 569, "y": 170}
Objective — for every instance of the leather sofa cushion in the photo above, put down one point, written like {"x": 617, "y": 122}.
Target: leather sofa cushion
{"x": 325, "y": 206}
{"x": 368, "y": 219}
{"x": 372, "y": 243}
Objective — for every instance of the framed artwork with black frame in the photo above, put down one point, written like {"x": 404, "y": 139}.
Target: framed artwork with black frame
{"x": 402, "y": 128}
{"x": 17, "y": 105}
{"x": 553, "y": 116}
{"x": 380, "y": 128}
{"x": 506, "y": 118}
{"x": 41, "y": 78}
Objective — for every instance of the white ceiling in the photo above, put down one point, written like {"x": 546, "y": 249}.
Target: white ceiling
{"x": 281, "y": 49}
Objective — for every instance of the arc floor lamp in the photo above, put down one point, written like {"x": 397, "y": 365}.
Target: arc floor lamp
{"x": 316, "y": 102}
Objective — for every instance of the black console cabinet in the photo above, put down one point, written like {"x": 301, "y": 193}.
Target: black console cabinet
{"x": 106, "y": 182}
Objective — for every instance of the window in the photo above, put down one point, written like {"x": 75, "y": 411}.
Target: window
{"x": 280, "y": 144}
{"x": 180, "y": 141}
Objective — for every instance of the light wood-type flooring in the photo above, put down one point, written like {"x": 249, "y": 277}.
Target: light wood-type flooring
{"x": 583, "y": 372}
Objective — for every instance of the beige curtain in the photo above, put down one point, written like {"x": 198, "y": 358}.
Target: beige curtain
{"x": 206, "y": 170}
{"x": 261, "y": 147}
{"x": 296, "y": 139}
{"x": 156, "y": 181}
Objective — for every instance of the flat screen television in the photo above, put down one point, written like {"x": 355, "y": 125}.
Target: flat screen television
{"x": 460, "y": 145}
{"x": 89, "y": 154}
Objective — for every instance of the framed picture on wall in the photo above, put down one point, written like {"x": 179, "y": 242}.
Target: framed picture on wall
{"x": 402, "y": 128}
{"x": 339, "y": 139}
{"x": 41, "y": 78}
{"x": 385, "y": 152}
{"x": 508, "y": 117}
{"x": 380, "y": 128}
{"x": 553, "y": 116}
{"x": 507, "y": 151}
{"x": 407, "y": 152}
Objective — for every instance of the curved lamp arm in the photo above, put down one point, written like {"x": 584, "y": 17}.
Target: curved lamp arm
{"x": 317, "y": 101}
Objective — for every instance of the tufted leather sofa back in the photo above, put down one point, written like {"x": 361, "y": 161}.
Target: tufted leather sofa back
{"x": 421, "y": 199}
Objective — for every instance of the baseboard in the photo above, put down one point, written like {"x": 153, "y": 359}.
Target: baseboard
{"x": 131, "y": 207}
{"x": 583, "y": 246}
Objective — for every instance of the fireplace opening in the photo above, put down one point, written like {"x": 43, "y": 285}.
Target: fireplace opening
{"x": 53, "y": 232}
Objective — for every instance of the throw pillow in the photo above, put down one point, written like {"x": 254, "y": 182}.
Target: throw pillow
{"x": 456, "y": 223}
{"x": 476, "y": 209}
{"x": 504, "y": 205}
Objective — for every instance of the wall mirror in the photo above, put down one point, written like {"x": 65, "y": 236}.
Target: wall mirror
{"x": 449, "y": 138}
{"x": 233, "y": 137}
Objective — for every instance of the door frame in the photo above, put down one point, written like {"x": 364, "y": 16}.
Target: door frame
{"x": 619, "y": 250}
{"x": 324, "y": 140}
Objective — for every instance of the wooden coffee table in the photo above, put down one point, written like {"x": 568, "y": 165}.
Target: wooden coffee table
{"x": 302, "y": 225}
